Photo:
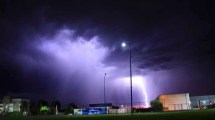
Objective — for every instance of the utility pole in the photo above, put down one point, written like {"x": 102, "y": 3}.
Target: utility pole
{"x": 129, "y": 45}
{"x": 104, "y": 89}
{"x": 131, "y": 80}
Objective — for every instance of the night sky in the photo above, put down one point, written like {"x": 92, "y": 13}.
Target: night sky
{"x": 62, "y": 48}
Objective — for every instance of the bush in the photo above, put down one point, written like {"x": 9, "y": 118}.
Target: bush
{"x": 156, "y": 105}
{"x": 14, "y": 114}
{"x": 33, "y": 111}
{"x": 143, "y": 109}
{"x": 70, "y": 108}
{"x": 211, "y": 106}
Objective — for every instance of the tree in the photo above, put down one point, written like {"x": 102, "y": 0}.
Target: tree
{"x": 33, "y": 108}
{"x": 43, "y": 107}
{"x": 24, "y": 106}
{"x": 42, "y": 102}
{"x": 70, "y": 108}
{"x": 156, "y": 105}
{"x": 55, "y": 106}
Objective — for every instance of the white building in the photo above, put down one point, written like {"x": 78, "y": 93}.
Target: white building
{"x": 9, "y": 104}
{"x": 1, "y": 107}
{"x": 172, "y": 102}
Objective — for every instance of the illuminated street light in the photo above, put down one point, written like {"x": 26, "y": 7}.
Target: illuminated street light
{"x": 123, "y": 44}
{"x": 129, "y": 45}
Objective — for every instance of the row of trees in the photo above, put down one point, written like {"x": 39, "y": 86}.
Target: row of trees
{"x": 43, "y": 108}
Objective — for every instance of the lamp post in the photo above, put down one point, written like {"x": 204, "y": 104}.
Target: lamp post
{"x": 129, "y": 45}
{"x": 104, "y": 89}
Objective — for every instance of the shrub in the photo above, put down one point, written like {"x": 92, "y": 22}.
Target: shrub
{"x": 156, "y": 105}
{"x": 14, "y": 114}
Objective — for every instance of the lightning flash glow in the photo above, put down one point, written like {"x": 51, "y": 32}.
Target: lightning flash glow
{"x": 139, "y": 82}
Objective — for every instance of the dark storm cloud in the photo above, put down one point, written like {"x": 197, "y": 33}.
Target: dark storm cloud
{"x": 170, "y": 39}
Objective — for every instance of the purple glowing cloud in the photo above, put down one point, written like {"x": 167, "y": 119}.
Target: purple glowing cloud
{"x": 77, "y": 62}
{"x": 77, "y": 66}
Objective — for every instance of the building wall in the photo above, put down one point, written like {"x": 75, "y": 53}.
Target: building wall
{"x": 10, "y": 107}
{"x": 1, "y": 108}
{"x": 118, "y": 111}
{"x": 173, "y": 102}
{"x": 17, "y": 104}
{"x": 6, "y": 101}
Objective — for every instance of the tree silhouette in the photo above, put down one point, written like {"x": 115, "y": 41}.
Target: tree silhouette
{"x": 43, "y": 104}
{"x": 24, "y": 106}
{"x": 70, "y": 108}
{"x": 156, "y": 105}
{"x": 33, "y": 108}
{"x": 55, "y": 104}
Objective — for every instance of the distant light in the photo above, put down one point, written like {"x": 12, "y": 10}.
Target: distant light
{"x": 204, "y": 102}
{"x": 121, "y": 106}
{"x": 44, "y": 108}
{"x": 123, "y": 44}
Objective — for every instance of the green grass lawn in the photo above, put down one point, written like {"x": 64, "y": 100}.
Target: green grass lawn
{"x": 185, "y": 115}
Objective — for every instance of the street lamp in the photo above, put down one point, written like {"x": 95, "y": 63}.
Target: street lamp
{"x": 104, "y": 89}
{"x": 123, "y": 44}
{"x": 129, "y": 45}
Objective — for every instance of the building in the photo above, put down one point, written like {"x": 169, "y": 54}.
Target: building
{"x": 200, "y": 102}
{"x": 9, "y": 104}
{"x": 103, "y": 108}
{"x": 173, "y": 102}
{"x": 94, "y": 109}
{"x": 108, "y": 108}
{"x": 1, "y": 106}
